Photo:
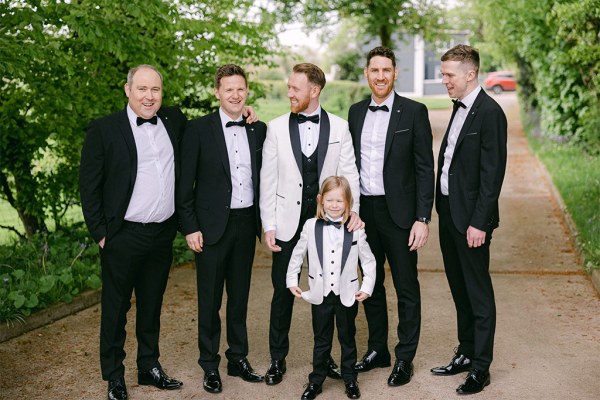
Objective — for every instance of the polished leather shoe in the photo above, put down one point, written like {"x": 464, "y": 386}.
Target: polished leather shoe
{"x": 333, "y": 371}
{"x": 157, "y": 377}
{"x": 475, "y": 382}
{"x": 243, "y": 369}
{"x": 311, "y": 392}
{"x": 352, "y": 390}
{"x": 460, "y": 363}
{"x": 212, "y": 381}
{"x": 371, "y": 360}
{"x": 117, "y": 389}
{"x": 275, "y": 372}
{"x": 401, "y": 373}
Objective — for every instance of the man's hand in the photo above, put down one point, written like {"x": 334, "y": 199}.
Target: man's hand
{"x": 195, "y": 241}
{"x": 101, "y": 242}
{"x": 270, "y": 241}
{"x": 475, "y": 237}
{"x": 296, "y": 291}
{"x": 250, "y": 114}
{"x": 355, "y": 222}
{"x": 360, "y": 296}
{"x": 418, "y": 235}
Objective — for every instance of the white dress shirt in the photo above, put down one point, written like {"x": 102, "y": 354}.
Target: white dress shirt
{"x": 333, "y": 240}
{"x": 372, "y": 148}
{"x": 153, "y": 197}
{"x": 240, "y": 163}
{"x": 309, "y": 133}
{"x": 455, "y": 128}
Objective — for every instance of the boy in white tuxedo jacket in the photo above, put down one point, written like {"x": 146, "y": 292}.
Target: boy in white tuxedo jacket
{"x": 333, "y": 255}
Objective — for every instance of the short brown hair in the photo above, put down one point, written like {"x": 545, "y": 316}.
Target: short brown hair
{"x": 463, "y": 53}
{"x": 314, "y": 74}
{"x": 229, "y": 70}
{"x": 382, "y": 52}
{"x": 329, "y": 184}
{"x": 133, "y": 70}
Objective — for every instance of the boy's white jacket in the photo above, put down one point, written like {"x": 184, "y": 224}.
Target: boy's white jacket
{"x": 355, "y": 246}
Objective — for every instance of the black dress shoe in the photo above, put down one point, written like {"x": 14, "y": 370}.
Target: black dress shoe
{"x": 333, "y": 371}
{"x": 352, "y": 390}
{"x": 117, "y": 389}
{"x": 475, "y": 382}
{"x": 212, "y": 381}
{"x": 401, "y": 373}
{"x": 157, "y": 377}
{"x": 275, "y": 372}
{"x": 371, "y": 360}
{"x": 244, "y": 369}
{"x": 460, "y": 363}
{"x": 311, "y": 392}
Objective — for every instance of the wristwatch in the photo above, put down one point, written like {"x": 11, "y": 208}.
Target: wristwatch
{"x": 424, "y": 220}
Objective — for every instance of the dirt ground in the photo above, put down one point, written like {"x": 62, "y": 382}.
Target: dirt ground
{"x": 547, "y": 338}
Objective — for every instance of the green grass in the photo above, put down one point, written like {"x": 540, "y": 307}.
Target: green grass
{"x": 576, "y": 175}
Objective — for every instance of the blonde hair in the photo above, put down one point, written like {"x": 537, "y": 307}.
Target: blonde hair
{"x": 332, "y": 183}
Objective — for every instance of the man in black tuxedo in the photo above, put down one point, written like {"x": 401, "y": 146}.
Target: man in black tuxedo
{"x": 393, "y": 147}
{"x": 471, "y": 166}
{"x": 127, "y": 184}
{"x": 218, "y": 207}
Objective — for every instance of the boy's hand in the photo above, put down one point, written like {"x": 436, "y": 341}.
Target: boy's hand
{"x": 296, "y": 291}
{"x": 360, "y": 296}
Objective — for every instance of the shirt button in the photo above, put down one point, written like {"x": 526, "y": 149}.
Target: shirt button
{"x": 333, "y": 251}
{"x": 298, "y": 202}
{"x": 332, "y": 273}
{"x": 332, "y": 262}
{"x": 332, "y": 284}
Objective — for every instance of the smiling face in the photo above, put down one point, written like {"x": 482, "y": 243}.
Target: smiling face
{"x": 145, "y": 92}
{"x": 459, "y": 78}
{"x": 381, "y": 74}
{"x": 232, "y": 93}
{"x": 303, "y": 95}
{"x": 334, "y": 203}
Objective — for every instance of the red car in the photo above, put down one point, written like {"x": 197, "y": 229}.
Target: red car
{"x": 500, "y": 81}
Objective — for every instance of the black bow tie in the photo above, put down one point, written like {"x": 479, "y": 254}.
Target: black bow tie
{"x": 141, "y": 120}
{"x": 458, "y": 103}
{"x": 236, "y": 123}
{"x": 336, "y": 224}
{"x": 378, "y": 108}
{"x": 312, "y": 118}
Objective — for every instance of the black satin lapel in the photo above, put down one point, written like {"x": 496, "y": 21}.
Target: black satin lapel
{"x": 394, "y": 121}
{"x": 347, "y": 245}
{"x": 324, "y": 131}
{"x": 219, "y": 136}
{"x": 252, "y": 147}
{"x": 319, "y": 240}
{"x": 470, "y": 118}
{"x": 127, "y": 133}
{"x": 358, "y": 132}
{"x": 295, "y": 140}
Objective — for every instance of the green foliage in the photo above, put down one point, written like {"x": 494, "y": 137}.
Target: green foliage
{"x": 46, "y": 269}
{"x": 559, "y": 73}
{"x": 64, "y": 64}
{"x": 350, "y": 65}
{"x": 376, "y": 17}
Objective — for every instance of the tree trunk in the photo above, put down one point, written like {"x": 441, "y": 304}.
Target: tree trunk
{"x": 385, "y": 36}
{"x": 33, "y": 222}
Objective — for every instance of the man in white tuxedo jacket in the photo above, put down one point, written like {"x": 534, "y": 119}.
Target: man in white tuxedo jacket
{"x": 302, "y": 148}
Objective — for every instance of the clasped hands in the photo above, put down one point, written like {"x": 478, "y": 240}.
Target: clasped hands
{"x": 359, "y": 296}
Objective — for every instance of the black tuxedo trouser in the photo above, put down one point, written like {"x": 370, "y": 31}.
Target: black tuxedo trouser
{"x": 467, "y": 270}
{"x": 137, "y": 258}
{"x": 388, "y": 240}
{"x": 282, "y": 303}
{"x": 323, "y": 316}
{"x": 227, "y": 263}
